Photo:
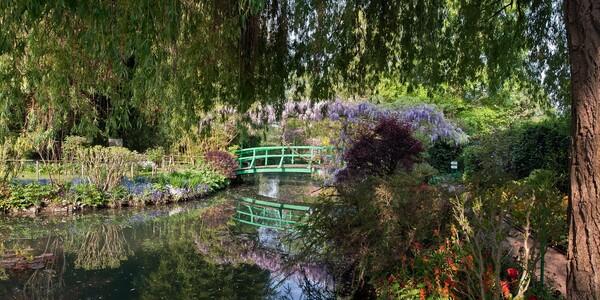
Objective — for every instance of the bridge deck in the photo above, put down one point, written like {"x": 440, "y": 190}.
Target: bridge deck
{"x": 285, "y": 168}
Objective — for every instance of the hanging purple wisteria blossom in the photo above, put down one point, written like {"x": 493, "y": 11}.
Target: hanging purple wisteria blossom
{"x": 425, "y": 120}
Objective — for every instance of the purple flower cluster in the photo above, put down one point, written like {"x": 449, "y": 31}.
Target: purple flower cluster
{"x": 429, "y": 121}
{"x": 137, "y": 187}
{"x": 155, "y": 195}
{"x": 426, "y": 119}
{"x": 30, "y": 181}
{"x": 295, "y": 136}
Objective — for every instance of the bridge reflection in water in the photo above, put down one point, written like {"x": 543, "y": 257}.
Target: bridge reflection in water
{"x": 270, "y": 214}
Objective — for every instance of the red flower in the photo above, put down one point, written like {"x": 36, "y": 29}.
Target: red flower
{"x": 424, "y": 186}
{"x": 505, "y": 288}
{"x": 391, "y": 279}
{"x": 418, "y": 246}
{"x": 532, "y": 297}
{"x": 512, "y": 273}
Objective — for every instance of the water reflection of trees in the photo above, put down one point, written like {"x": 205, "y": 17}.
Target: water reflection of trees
{"x": 172, "y": 259}
{"x": 48, "y": 280}
{"x": 181, "y": 273}
{"x": 226, "y": 245}
{"x": 100, "y": 248}
{"x": 204, "y": 255}
{"x": 42, "y": 274}
{"x": 177, "y": 270}
{"x": 313, "y": 278}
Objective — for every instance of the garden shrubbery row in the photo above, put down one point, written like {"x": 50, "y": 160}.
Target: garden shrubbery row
{"x": 402, "y": 238}
{"x": 106, "y": 185}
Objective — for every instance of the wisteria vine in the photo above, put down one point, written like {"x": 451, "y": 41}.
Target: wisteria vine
{"x": 425, "y": 120}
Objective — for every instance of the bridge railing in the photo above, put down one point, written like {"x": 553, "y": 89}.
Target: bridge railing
{"x": 280, "y": 156}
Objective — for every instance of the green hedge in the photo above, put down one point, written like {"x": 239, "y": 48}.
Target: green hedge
{"x": 514, "y": 153}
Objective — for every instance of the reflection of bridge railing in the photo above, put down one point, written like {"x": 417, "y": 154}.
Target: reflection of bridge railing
{"x": 269, "y": 214}
{"x": 294, "y": 159}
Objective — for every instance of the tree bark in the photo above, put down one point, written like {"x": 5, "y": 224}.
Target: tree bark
{"x": 583, "y": 266}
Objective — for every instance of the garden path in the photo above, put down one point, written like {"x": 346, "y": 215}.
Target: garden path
{"x": 556, "y": 264}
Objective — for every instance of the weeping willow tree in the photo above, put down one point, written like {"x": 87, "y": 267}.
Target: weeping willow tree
{"x": 106, "y": 68}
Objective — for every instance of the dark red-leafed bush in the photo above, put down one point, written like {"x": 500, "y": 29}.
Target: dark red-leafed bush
{"x": 222, "y": 162}
{"x": 381, "y": 150}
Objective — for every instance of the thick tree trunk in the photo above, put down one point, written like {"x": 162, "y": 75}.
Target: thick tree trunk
{"x": 583, "y": 267}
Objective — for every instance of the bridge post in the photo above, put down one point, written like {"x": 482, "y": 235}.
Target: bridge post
{"x": 293, "y": 154}
{"x": 266, "y": 157}
{"x": 282, "y": 157}
{"x": 253, "y": 158}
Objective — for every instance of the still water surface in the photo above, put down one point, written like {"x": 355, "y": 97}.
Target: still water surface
{"x": 183, "y": 251}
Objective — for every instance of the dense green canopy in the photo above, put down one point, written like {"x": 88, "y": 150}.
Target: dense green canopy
{"x": 104, "y": 68}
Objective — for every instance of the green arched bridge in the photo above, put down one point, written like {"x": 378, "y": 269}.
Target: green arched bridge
{"x": 277, "y": 159}
{"x": 282, "y": 159}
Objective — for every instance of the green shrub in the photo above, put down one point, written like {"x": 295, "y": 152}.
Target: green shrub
{"x": 190, "y": 179}
{"x": 19, "y": 196}
{"x": 543, "y": 145}
{"x": 89, "y": 195}
{"x": 155, "y": 155}
{"x": 105, "y": 166}
{"x": 71, "y": 146}
{"x": 11, "y": 153}
{"x": 441, "y": 153}
{"x": 375, "y": 222}
{"x": 513, "y": 154}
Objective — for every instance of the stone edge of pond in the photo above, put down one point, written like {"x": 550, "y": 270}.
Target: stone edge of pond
{"x": 135, "y": 202}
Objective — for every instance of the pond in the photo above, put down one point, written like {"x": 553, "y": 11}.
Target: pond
{"x": 191, "y": 250}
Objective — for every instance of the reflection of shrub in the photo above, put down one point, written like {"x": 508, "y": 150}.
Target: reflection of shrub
{"x": 381, "y": 150}
{"x": 222, "y": 163}
{"x": 103, "y": 248}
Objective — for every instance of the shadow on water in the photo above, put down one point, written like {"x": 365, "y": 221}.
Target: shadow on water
{"x": 184, "y": 251}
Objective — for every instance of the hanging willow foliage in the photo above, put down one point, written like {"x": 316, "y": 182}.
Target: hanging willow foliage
{"x": 108, "y": 66}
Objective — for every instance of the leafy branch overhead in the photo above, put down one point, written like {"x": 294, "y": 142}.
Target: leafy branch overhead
{"x": 107, "y": 66}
